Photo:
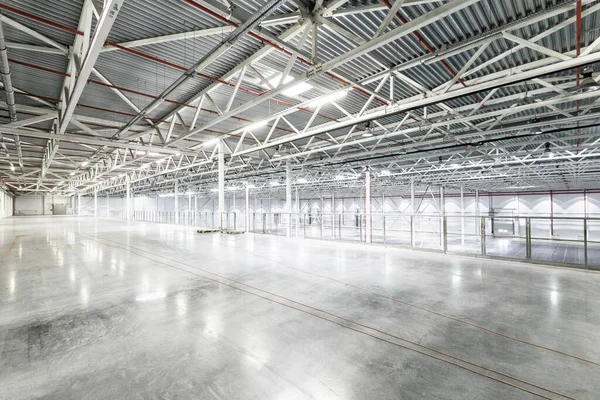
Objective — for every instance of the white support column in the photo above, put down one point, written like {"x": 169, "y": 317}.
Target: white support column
{"x": 368, "y": 217}
{"x": 297, "y": 214}
{"x": 189, "y": 202}
{"x": 288, "y": 196}
{"x": 95, "y": 203}
{"x": 78, "y": 203}
{"x": 127, "y": 198}
{"x": 247, "y": 209}
{"x": 518, "y": 222}
{"x": 412, "y": 211}
{"x": 107, "y": 206}
{"x": 442, "y": 213}
{"x": 176, "y": 198}
{"x": 478, "y": 224}
{"x": 221, "y": 210}
{"x": 462, "y": 215}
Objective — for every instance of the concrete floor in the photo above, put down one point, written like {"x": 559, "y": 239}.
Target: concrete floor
{"x": 108, "y": 309}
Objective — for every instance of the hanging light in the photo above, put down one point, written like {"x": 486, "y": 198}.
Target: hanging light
{"x": 12, "y": 167}
{"x": 274, "y": 183}
{"x": 588, "y": 83}
{"x": 385, "y": 172}
{"x": 301, "y": 180}
{"x": 548, "y": 151}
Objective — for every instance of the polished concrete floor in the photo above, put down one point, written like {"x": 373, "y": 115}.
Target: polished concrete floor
{"x": 105, "y": 309}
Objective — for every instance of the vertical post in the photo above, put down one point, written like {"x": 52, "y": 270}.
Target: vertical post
{"x": 551, "y": 215}
{"x": 462, "y": 215}
{"x": 297, "y": 214}
{"x": 585, "y": 241}
{"x": 127, "y": 197}
{"x": 442, "y": 214}
{"x": 288, "y": 196}
{"x": 518, "y": 230}
{"x": 78, "y": 203}
{"x": 412, "y": 213}
{"x": 221, "y": 149}
{"x": 477, "y": 205}
{"x": 95, "y": 203}
{"x": 176, "y": 202}
{"x": 247, "y": 209}
{"x": 528, "y": 237}
{"x": 333, "y": 215}
{"x": 107, "y": 206}
{"x": 369, "y": 221}
{"x": 482, "y": 233}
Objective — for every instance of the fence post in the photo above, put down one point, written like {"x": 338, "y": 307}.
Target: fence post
{"x": 585, "y": 241}
{"x": 482, "y": 232}
{"x": 528, "y": 237}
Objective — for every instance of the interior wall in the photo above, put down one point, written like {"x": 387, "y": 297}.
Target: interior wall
{"x": 41, "y": 205}
{"x": 6, "y": 204}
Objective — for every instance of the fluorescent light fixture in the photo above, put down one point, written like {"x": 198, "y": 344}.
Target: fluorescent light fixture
{"x": 250, "y": 186}
{"x": 274, "y": 81}
{"x": 274, "y": 183}
{"x": 12, "y": 167}
{"x": 232, "y": 188}
{"x": 151, "y": 153}
{"x": 214, "y": 189}
{"x": 258, "y": 124}
{"x": 72, "y": 173}
{"x": 385, "y": 172}
{"x": 367, "y": 134}
{"x": 83, "y": 164}
{"x": 454, "y": 165}
{"x": 297, "y": 89}
{"x": 329, "y": 98}
{"x": 340, "y": 177}
{"x": 166, "y": 195}
{"x": 160, "y": 161}
{"x": 177, "y": 154}
{"x": 276, "y": 155}
{"x": 294, "y": 90}
{"x": 61, "y": 182}
{"x": 189, "y": 193}
{"x": 301, "y": 180}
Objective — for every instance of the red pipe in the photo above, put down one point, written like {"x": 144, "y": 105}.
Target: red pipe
{"x": 155, "y": 59}
{"x": 429, "y": 47}
{"x": 578, "y": 52}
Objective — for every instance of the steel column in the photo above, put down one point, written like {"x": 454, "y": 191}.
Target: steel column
{"x": 369, "y": 220}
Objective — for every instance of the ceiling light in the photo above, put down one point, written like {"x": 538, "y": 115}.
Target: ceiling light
{"x": 160, "y": 161}
{"x": 385, "y": 172}
{"x": 72, "y": 173}
{"x": 274, "y": 81}
{"x": 258, "y": 124}
{"x": 83, "y": 164}
{"x": 214, "y": 189}
{"x": 12, "y": 167}
{"x": 276, "y": 154}
{"x": 301, "y": 180}
{"x": 329, "y": 98}
{"x": 274, "y": 183}
{"x": 177, "y": 153}
{"x": 536, "y": 131}
{"x": 454, "y": 165}
{"x": 292, "y": 91}
{"x": 367, "y": 134}
{"x": 61, "y": 182}
{"x": 340, "y": 177}
{"x": 297, "y": 89}
{"x": 548, "y": 151}
{"x": 166, "y": 195}
{"x": 232, "y": 188}
{"x": 153, "y": 154}
{"x": 588, "y": 84}
{"x": 250, "y": 186}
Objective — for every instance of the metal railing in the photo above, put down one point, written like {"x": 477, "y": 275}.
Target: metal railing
{"x": 569, "y": 241}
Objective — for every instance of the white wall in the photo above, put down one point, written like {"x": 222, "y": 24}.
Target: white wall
{"x": 40, "y": 205}
{"x": 6, "y": 204}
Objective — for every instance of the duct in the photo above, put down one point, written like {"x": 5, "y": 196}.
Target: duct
{"x": 8, "y": 89}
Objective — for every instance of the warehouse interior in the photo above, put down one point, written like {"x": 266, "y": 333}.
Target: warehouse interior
{"x": 300, "y": 199}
